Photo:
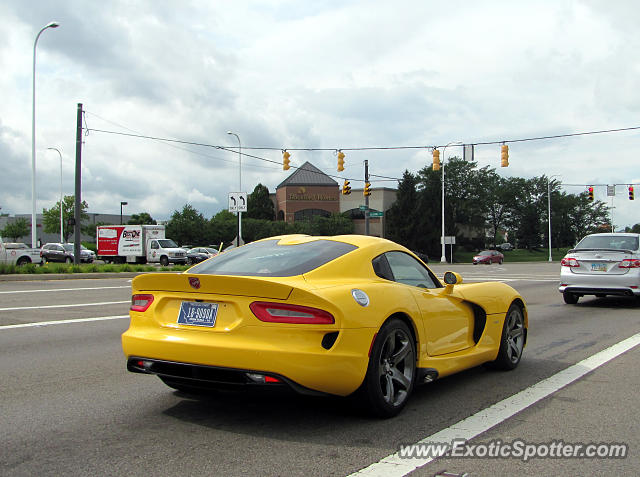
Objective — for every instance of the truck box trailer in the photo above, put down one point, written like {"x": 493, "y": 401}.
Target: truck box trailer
{"x": 137, "y": 244}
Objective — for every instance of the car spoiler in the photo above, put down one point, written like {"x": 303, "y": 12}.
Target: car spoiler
{"x": 573, "y": 250}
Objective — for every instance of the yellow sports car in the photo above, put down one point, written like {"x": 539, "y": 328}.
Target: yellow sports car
{"x": 329, "y": 315}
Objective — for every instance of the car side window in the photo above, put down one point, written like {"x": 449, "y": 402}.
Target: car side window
{"x": 154, "y": 244}
{"x": 381, "y": 267}
{"x": 409, "y": 271}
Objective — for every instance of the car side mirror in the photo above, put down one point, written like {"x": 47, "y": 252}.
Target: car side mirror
{"x": 451, "y": 279}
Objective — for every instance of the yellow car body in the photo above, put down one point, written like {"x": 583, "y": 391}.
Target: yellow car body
{"x": 454, "y": 327}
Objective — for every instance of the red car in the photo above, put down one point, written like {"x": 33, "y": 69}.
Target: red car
{"x": 488, "y": 257}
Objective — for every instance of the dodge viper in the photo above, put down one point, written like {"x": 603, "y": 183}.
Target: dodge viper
{"x": 320, "y": 315}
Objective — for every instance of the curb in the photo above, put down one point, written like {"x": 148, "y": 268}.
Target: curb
{"x": 23, "y": 277}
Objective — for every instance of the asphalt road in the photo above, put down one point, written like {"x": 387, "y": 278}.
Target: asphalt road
{"x": 69, "y": 407}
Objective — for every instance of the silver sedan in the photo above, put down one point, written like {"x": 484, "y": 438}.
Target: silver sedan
{"x": 601, "y": 265}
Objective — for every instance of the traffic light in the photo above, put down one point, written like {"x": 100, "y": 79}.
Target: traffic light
{"x": 590, "y": 192}
{"x": 285, "y": 160}
{"x": 346, "y": 188}
{"x": 367, "y": 188}
{"x": 631, "y": 197}
{"x": 436, "y": 160}
{"x": 340, "y": 161}
{"x": 504, "y": 156}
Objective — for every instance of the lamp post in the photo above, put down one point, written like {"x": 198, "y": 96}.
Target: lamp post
{"x": 443, "y": 259}
{"x": 61, "y": 222}
{"x": 549, "y": 210}
{"x": 121, "y": 204}
{"x": 33, "y": 138}
{"x": 239, "y": 239}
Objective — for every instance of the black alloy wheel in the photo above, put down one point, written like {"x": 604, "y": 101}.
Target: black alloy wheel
{"x": 392, "y": 367}
{"x": 513, "y": 339}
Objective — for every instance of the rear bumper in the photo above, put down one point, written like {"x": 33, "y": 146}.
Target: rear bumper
{"x": 627, "y": 284}
{"x": 591, "y": 290}
{"x": 208, "y": 377}
{"x": 294, "y": 354}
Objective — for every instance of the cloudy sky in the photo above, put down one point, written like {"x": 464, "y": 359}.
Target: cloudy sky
{"x": 322, "y": 74}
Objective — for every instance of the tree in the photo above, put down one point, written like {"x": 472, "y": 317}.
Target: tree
{"x": 15, "y": 230}
{"x": 402, "y": 217}
{"x": 260, "y": 205}
{"x": 187, "y": 227}
{"x": 634, "y": 230}
{"x": 143, "y": 218}
{"x": 51, "y": 217}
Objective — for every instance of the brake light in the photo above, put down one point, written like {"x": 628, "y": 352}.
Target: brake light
{"x": 630, "y": 263}
{"x": 283, "y": 313}
{"x": 141, "y": 302}
{"x": 569, "y": 262}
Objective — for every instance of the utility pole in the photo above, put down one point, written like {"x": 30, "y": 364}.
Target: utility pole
{"x": 366, "y": 198}
{"x": 76, "y": 213}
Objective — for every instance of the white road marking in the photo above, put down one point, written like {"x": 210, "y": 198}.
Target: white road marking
{"x": 61, "y": 289}
{"x": 394, "y": 466}
{"x": 16, "y": 308}
{"x": 62, "y": 322}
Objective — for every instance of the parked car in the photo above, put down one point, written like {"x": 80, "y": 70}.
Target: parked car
{"x": 506, "y": 246}
{"x": 328, "y": 315}
{"x": 601, "y": 265}
{"x": 63, "y": 252}
{"x": 488, "y": 257}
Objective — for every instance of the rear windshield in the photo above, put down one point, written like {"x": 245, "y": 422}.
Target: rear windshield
{"x": 268, "y": 259}
{"x": 610, "y": 242}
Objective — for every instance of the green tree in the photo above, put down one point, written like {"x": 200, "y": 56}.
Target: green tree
{"x": 222, "y": 228}
{"x": 16, "y": 229}
{"x": 187, "y": 227}
{"x": 403, "y": 216}
{"x": 259, "y": 204}
{"x": 143, "y": 218}
{"x": 51, "y": 217}
{"x": 634, "y": 230}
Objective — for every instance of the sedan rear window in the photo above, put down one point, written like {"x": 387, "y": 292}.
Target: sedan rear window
{"x": 268, "y": 259}
{"x": 608, "y": 242}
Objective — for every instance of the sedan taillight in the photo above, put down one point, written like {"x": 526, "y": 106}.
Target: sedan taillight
{"x": 569, "y": 262}
{"x": 141, "y": 302}
{"x": 630, "y": 263}
{"x": 283, "y": 313}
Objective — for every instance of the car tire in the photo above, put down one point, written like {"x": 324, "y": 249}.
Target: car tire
{"x": 512, "y": 340}
{"x": 22, "y": 261}
{"x": 391, "y": 372}
{"x": 164, "y": 261}
{"x": 570, "y": 298}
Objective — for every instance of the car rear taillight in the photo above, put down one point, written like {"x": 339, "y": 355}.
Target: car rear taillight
{"x": 630, "y": 263}
{"x": 569, "y": 262}
{"x": 283, "y": 313}
{"x": 141, "y": 302}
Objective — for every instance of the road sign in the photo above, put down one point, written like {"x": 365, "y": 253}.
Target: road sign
{"x": 611, "y": 191}
{"x": 237, "y": 201}
{"x": 449, "y": 240}
{"x": 376, "y": 214}
{"x": 363, "y": 207}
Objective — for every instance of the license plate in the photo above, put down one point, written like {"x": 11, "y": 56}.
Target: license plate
{"x": 198, "y": 314}
{"x": 598, "y": 267}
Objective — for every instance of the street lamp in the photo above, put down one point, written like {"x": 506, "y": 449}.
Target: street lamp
{"x": 60, "y": 154}
{"x": 33, "y": 139}
{"x": 121, "y": 204}
{"x": 239, "y": 240}
{"x": 443, "y": 259}
{"x": 549, "y": 209}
